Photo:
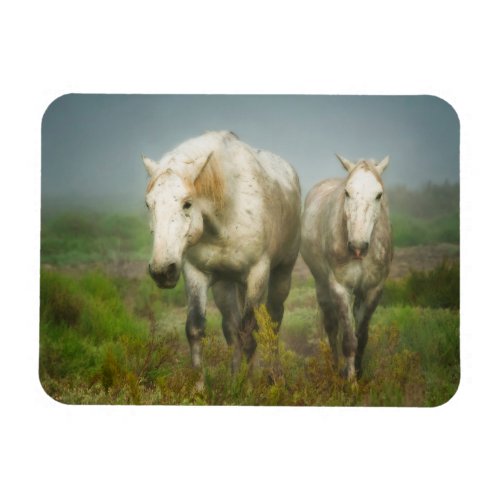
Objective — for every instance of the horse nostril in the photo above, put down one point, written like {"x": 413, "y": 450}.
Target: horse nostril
{"x": 165, "y": 276}
{"x": 358, "y": 249}
{"x": 171, "y": 271}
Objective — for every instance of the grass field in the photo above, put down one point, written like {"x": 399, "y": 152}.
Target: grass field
{"x": 121, "y": 340}
{"x": 109, "y": 336}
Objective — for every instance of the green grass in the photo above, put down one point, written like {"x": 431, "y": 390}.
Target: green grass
{"x": 84, "y": 237}
{"x": 426, "y": 215}
{"x": 117, "y": 341}
{"x": 430, "y": 337}
{"x": 409, "y": 230}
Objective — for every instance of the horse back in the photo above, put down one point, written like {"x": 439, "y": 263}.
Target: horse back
{"x": 324, "y": 190}
{"x": 260, "y": 215}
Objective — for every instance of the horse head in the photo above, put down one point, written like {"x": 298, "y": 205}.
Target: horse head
{"x": 363, "y": 196}
{"x": 176, "y": 219}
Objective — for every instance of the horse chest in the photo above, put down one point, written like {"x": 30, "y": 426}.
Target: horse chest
{"x": 223, "y": 256}
{"x": 358, "y": 275}
{"x": 350, "y": 275}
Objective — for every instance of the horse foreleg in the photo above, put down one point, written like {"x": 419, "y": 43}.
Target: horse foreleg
{"x": 256, "y": 289}
{"x": 196, "y": 286}
{"x": 329, "y": 319}
{"x": 227, "y": 299}
{"x": 364, "y": 310}
{"x": 343, "y": 301}
{"x": 280, "y": 281}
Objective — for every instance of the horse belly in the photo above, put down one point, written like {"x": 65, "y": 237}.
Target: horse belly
{"x": 280, "y": 209}
{"x": 281, "y": 224}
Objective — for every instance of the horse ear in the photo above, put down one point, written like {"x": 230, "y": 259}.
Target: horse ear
{"x": 198, "y": 165}
{"x": 150, "y": 165}
{"x": 382, "y": 165}
{"x": 348, "y": 165}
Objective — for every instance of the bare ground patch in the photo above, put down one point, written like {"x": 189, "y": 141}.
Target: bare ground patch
{"x": 406, "y": 259}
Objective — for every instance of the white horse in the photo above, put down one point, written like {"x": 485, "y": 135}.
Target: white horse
{"x": 347, "y": 244}
{"x": 227, "y": 216}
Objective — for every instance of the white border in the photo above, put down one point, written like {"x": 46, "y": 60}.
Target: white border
{"x": 56, "y": 451}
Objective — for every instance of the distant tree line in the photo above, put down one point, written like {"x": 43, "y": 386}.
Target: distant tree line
{"x": 429, "y": 201}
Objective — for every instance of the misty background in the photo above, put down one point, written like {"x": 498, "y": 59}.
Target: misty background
{"x": 92, "y": 144}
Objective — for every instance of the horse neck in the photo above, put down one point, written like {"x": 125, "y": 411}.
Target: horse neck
{"x": 212, "y": 219}
{"x": 334, "y": 221}
{"x": 382, "y": 228}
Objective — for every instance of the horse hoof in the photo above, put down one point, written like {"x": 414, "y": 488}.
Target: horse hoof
{"x": 346, "y": 375}
{"x": 199, "y": 386}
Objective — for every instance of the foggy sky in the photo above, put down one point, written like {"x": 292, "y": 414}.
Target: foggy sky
{"x": 91, "y": 144}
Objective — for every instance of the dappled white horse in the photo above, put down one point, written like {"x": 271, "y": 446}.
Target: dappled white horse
{"x": 227, "y": 216}
{"x": 347, "y": 244}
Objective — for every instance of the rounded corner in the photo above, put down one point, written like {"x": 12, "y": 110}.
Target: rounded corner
{"x": 50, "y": 396}
{"x": 453, "y": 396}
{"x": 53, "y": 104}
{"x": 447, "y": 104}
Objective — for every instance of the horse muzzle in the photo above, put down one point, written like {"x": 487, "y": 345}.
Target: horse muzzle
{"x": 358, "y": 250}
{"x": 165, "y": 276}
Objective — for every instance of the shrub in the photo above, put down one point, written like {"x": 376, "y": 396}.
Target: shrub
{"x": 439, "y": 287}
{"x": 78, "y": 317}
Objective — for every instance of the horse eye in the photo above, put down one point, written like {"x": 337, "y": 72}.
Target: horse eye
{"x": 186, "y": 205}
{"x": 346, "y": 194}
{"x": 379, "y": 196}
